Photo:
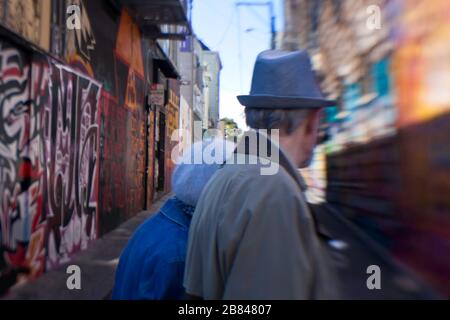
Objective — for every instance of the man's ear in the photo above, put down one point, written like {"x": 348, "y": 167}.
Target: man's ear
{"x": 312, "y": 121}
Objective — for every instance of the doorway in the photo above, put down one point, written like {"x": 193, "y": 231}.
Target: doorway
{"x": 160, "y": 142}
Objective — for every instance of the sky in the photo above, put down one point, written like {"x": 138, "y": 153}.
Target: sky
{"x": 219, "y": 25}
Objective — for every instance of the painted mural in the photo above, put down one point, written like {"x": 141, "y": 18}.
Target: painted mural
{"x": 128, "y": 58}
{"x": 21, "y": 165}
{"x": 109, "y": 49}
{"x": 48, "y": 161}
{"x": 77, "y": 145}
{"x": 71, "y": 157}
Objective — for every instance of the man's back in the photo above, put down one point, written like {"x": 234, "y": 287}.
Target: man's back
{"x": 252, "y": 237}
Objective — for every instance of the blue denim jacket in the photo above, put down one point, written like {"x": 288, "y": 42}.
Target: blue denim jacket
{"x": 152, "y": 264}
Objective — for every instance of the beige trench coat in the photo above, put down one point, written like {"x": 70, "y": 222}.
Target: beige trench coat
{"x": 252, "y": 236}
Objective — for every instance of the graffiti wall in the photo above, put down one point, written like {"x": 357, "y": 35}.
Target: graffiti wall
{"x": 48, "y": 161}
{"x": 109, "y": 49}
{"x": 387, "y": 156}
{"x": 21, "y": 163}
{"x": 77, "y": 143}
{"x": 71, "y": 157}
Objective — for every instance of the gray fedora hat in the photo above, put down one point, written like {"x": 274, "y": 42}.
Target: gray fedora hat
{"x": 284, "y": 80}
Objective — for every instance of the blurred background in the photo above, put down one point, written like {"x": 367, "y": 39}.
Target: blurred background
{"x": 384, "y": 158}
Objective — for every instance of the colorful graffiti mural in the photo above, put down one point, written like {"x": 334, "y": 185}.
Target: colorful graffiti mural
{"x": 48, "y": 161}
{"x": 109, "y": 49}
{"x": 71, "y": 150}
{"x": 77, "y": 143}
{"x": 21, "y": 165}
{"x": 131, "y": 92}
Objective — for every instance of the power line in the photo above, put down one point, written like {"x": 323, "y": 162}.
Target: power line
{"x": 239, "y": 46}
{"x": 270, "y": 6}
{"x": 258, "y": 15}
{"x": 222, "y": 38}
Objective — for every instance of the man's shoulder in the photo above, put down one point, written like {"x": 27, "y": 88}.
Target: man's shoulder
{"x": 254, "y": 174}
{"x": 237, "y": 186}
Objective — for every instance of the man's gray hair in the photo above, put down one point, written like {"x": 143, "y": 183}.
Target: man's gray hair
{"x": 286, "y": 120}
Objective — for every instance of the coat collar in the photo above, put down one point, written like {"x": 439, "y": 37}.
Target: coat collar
{"x": 283, "y": 159}
{"x": 287, "y": 164}
{"x": 173, "y": 210}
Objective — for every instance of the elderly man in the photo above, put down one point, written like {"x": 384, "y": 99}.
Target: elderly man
{"x": 152, "y": 264}
{"x": 253, "y": 235}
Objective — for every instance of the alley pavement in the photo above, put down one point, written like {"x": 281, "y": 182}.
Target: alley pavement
{"x": 97, "y": 264}
{"x": 352, "y": 254}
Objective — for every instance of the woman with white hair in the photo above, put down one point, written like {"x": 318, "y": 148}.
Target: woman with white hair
{"x": 152, "y": 264}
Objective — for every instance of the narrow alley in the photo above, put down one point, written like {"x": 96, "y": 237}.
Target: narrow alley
{"x": 99, "y": 98}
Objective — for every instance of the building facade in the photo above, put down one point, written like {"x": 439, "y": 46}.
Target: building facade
{"x": 200, "y": 73}
{"x": 213, "y": 66}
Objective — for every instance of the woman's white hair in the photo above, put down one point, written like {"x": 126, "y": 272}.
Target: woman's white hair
{"x": 198, "y": 164}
